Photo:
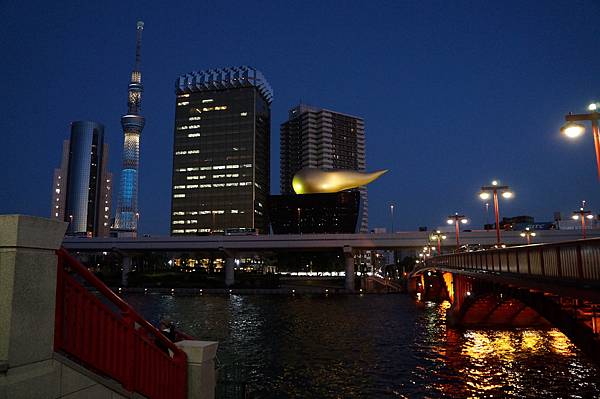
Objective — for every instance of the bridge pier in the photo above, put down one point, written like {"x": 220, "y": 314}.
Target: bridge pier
{"x": 229, "y": 271}
{"x": 349, "y": 267}
{"x": 126, "y": 270}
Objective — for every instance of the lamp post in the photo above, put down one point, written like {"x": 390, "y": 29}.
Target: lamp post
{"x": 439, "y": 237}
{"x": 457, "y": 219}
{"x": 392, "y": 212}
{"x": 582, "y": 215}
{"x": 572, "y": 129}
{"x": 528, "y": 234}
{"x": 492, "y": 191}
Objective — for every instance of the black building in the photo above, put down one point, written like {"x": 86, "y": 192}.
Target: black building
{"x": 316, "y": 213}
{"x": 221, "y": 151}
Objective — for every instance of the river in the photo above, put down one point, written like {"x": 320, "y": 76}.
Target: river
{"x": 374, "y": 346}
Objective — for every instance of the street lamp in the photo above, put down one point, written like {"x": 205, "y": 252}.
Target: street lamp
{"x": 392, "y": 211}
{"x": 492, "y": 191}
{"x": 572, "y": 129}
{"x": 439, "y": 237}
{"x": 582, "y": 215}
{"x": 456, "y": 219}
{"x": 528, "y": 234}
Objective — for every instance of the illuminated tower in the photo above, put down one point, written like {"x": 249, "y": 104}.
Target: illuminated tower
{"x": 126, "y": 218}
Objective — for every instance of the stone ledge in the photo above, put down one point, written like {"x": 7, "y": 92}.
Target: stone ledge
{"x": 31, "y": 232}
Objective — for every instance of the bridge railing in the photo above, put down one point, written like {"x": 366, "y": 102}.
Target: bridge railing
{"x": 574, "y": 260}
{"x": 105, "y": 334}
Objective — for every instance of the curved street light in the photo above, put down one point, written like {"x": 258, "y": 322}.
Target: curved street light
{"x": 573, "y": 130}
{"x": 492, "y": 191}
{"x": 439, "y": 237}
{"x": 582, "y": 215}
{"x": 456, "y": 219}
{"x": 528, "y": 234}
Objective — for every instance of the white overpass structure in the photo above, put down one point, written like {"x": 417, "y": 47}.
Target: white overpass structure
{"x": 309, "y": 242}
{"x": 232, "y": 246}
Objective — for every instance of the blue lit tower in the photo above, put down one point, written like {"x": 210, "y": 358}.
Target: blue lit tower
{"x": 126, "y": 219}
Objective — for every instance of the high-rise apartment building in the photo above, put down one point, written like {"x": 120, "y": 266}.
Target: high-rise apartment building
{"x": 221, "y": 151}
{"x": 127, "y": 215}
{"x": 81, "y": 191}
{"x": 319, "y": 138}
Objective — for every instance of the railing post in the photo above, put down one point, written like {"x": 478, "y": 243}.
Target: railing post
{"x": 201, "y": 378}
{"x": 542, "y": 270}
{"x": 517, "y": 259}
{"x": 579, "y": 263}
{"x": 528, "y": 263}
{"x": 558, "y": 262}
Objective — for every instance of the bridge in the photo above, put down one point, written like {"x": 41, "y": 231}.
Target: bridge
{"x": 555, "y": 284}
{"x": 233, "y": 246}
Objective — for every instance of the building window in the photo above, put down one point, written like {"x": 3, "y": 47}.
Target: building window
{"x": 243, "y": 114}
{"x": 208, "y": 100}
{"x": 194, "y": 135}
{"x": 179, "y": 196}
{"x": 183, "y": 103}
{"x": 191, "y": 177}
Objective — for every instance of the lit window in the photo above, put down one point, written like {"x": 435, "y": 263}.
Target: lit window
{"x": 209, "y": 100}
{"x": 206, "y": 168}
{"x": 56, "y": 214}
{"x": 182, "y": 128}
{"x": 202, "y": 177}
{"x": 204, "y": 230}
{"x": 105, "y": 209}
{"x": 194, "y": 135}
{"x": 218, "y": 167}
{"x": 247, "y": 165}
{"x": 219, "y": 185}
{"x": 243, "y": 114}
{"x": 191, "y": 230}
{"x": 180, "y": 152}
{"x": 178, "y": 187}
{"x": 192, "y": 169}
{"x": 177, "y": 231}
{"x": 204, "y": 212}
{"x": 205, "y": 185}
{"x": 183, "y": 103}
{"x": 234, "y": 211}
{"x": 194, "y": 118}
{"x": 191, "y": 177}
{"x": 179, "y": 196}
{"x": 178, "y": 222}
{"x": 192, "y": 213}
{"x": 233, "y": 166}
{"x": 194, "y": 152}
{"x": 232, "y": 184}
{"x": 193, "y": 126}
{"x": 191, "y": 221}
{"x": 183, "y": 96}
{"x": 206, "y": 109}
{"x": 220, "y": 212}
{"x": 218, "y": 176}
{"x": 233, "y": 175}
{"x": 177, "y": 213}
{"x": 57, "y": 191}
{"x": 192, "y": 186}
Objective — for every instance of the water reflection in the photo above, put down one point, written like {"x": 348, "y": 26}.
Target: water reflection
{"x": 375, "y": 347}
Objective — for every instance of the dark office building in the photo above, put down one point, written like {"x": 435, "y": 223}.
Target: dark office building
{"x": 315, "y": 137}
{"x": 82, "y": 185}
{"x": 316, "y": 213}
{"x": 221, "y": 151}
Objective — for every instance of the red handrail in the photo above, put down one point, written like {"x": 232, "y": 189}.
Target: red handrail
{"x": 119, "y": 344}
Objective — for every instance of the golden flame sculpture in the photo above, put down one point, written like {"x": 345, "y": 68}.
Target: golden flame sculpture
{"x": 313, "y": 181}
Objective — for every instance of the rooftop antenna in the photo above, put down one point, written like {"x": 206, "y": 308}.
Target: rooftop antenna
{"x": 138, "y": 45}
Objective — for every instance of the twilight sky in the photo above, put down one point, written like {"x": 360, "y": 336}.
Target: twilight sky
{"x": 453, "y": 93}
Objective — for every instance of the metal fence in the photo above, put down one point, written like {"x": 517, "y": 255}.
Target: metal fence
{"x": 572, "y": 260}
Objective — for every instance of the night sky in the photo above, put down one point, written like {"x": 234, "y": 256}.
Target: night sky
{"x": 453, "y": 93}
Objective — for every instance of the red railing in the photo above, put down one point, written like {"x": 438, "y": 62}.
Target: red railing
{"x": 105, "y": 334}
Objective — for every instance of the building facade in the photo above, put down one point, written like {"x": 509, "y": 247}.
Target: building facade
{"x": 221, "y": 152}
{"x": 319, "y": 138}
{"x": 127, "y": 215}
{"x": 82, "y": 187}
{"x": 325, "y": 213}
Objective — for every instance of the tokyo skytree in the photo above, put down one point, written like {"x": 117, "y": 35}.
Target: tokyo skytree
{"x": 127, "y": 215}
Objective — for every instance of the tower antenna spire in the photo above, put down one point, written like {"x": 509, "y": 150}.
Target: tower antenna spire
{"x": 138, "y": 45}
